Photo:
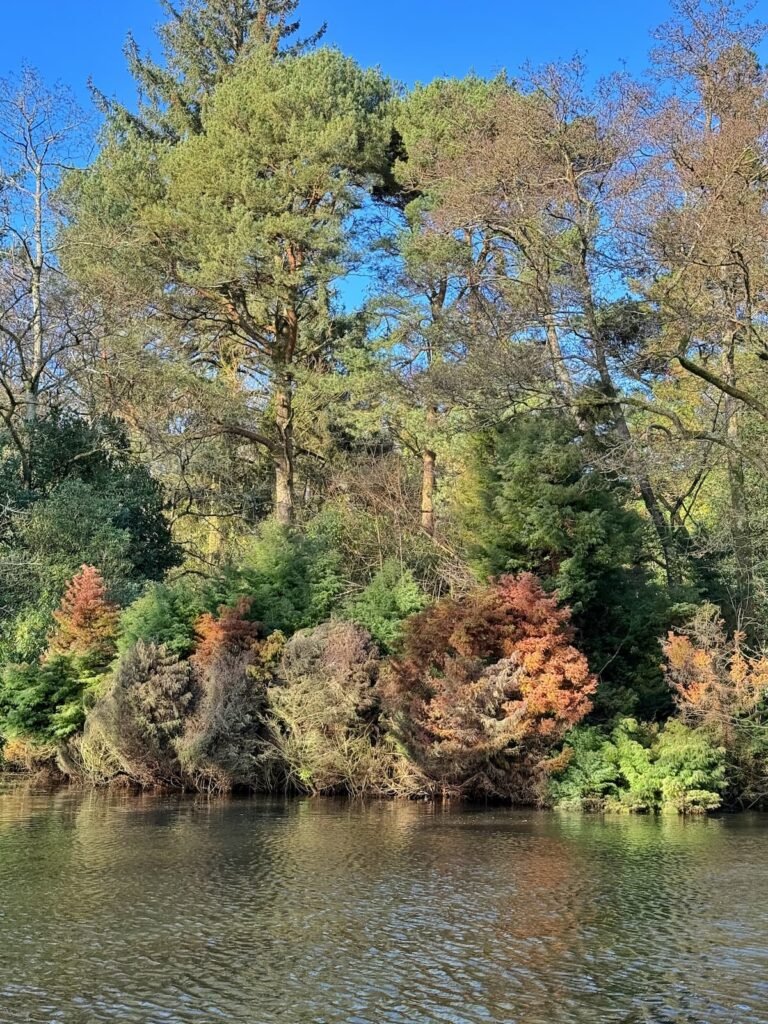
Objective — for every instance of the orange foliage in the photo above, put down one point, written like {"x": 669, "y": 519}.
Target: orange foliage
{"x": 487, "y": 676}
{"x": 231, "y": 632}
{"x": 715, "y": 682}
{"x": 86, "y": 622}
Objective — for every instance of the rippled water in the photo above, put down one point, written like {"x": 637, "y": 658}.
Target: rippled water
{"x": 156, "y": 910}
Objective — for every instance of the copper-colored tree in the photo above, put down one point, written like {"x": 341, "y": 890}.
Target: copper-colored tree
{"x": 487, "y": 685}
{"x": 86, "y": 620}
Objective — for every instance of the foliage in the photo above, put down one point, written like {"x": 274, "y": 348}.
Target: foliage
{"x": 165, "y": 615}
{"x": 225, "y": 742}
{"x": 487, "y": 685}
{"x": 291, "y": 579}
{"x": 90, "y": 501}
{"x": 537, "y": 499}
{"x": 230, "y": 631}
{"x": 723, "y": 690}
{"x": 86, "y": 621}
{"x": 45, "y": 701}
{"x": 637, "y": 768}
{"x": 133, "y": 727}
{"x": 391, "y": 596}
{"x": 324, "y": 716}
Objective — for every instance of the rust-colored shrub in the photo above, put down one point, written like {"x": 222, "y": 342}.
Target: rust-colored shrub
{"x": 228, "y": 632}
{"x": 487, "y": 686}
{"x": 717, "y": 684}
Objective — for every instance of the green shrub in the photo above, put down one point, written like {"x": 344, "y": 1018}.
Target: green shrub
{"x": 293, "y": 580}
{"x": 44, "y": 702}
{"x": 392, "y": 595}
{"x": 164, "y": 615}
{"x": 641, "y": 768}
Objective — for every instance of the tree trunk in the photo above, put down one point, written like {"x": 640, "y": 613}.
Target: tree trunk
{"x": 559, "y": 368}
{"x": 742, "y": 544}
{"x": 283, "y": 453}
{"x": 36, "y": 272}
{"x": 428, "y": 479}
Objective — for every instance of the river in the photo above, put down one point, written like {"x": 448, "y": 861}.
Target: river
{"x": 156, "y": 910}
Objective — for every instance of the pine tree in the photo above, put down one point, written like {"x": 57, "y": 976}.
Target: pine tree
{"x": 201, "y": 42}
{"x": 86, "y": 620}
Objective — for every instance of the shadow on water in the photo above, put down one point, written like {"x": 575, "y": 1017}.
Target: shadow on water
{"x": 150, "y": 910}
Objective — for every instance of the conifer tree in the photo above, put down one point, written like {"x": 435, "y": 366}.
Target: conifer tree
{"x": 201, "y": 42}
{"x": 86, "y": 619}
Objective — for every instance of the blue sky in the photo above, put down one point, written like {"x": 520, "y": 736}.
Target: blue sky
{"x": 411, "y": 40}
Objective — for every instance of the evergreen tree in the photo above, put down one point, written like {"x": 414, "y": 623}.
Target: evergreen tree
{"x": 536, "y": 499}
{"x": 202, "y": 41}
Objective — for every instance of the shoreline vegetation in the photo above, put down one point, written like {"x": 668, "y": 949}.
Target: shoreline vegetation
{"x": 492, "y": 525}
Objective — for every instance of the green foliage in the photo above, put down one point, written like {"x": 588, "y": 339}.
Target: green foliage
{"x": 391, "y": 596}
{"x": 45, "y": 701}
{"x": 641, "y": 768}
{"x": 165, "y": 615}
{"x": 292, "y": 579}
{"x": 536, "y": 500}
{"x": 90, "y": 502}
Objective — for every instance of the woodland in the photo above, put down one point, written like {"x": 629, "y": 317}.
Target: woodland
{"x": 371, "y": 440}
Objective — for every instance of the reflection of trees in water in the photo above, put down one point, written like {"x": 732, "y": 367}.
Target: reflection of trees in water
{"x": 320, "y": 903}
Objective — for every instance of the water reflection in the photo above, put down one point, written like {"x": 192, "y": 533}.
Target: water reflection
{"x": 149, "y": 910}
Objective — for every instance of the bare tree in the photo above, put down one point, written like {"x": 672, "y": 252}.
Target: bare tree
{"x": 41, "y": 131}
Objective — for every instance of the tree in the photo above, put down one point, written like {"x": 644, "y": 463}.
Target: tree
{"x": 486, "y": 686}
{"x": 230, "y": 631}
{"x": 231, "y": 240}
{"x": 41, "y": 320}
{"x": 702, "y": 232}
{"x": 429, "y": 281}
{"x": 542, "y": 176}
{"x": 537, "y": 496}
{"x": 202, "y": 41}
{"x": 134, "y": 727}
{"x": 91, "y": 502}
{"x": 86, "y": 620}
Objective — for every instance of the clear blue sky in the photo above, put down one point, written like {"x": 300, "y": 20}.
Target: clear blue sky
{"x": 411, "y": 40}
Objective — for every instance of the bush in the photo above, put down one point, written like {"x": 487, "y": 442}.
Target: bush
{"x": 324, "y": 713}
{"x": 487, "y": 686}
{"x": 722, "y": 689}
{"x": 86, "y": 621}
{"x": 133, "y": 729}
{"x": 43, "y": 702}
{"x": 392, "y": 595}
{"x": 641, "y": 768}
{"x": 224, "y": 744}
{"x": 292, "y": 580}
{"x": 164, "y": 615}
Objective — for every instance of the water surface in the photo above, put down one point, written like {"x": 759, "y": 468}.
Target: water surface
{"x": 154, "y": 910}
